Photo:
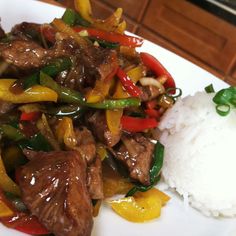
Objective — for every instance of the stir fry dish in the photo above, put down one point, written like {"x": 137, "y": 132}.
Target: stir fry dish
{"x": 78, "y": 115}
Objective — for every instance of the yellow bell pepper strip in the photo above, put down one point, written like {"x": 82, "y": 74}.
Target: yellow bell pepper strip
{"x": 6, "y": 183}
{"x": 66, "y": 29}
{"x": 128, "y": 84}
{"x": 110, "y": 24}
{"x": 115, "y": 103}
{"x": 113, "y": 120}
{"x": 101, "y": 151}
{"x": 84, "y": 9}
{"x": 122, "y": 39}
{"x": 64, "y": 94}
{"x": 139, "y": 208}
{"x": 65, "y": 133}
{"x": 36, "y": 93}
{"x": 121, "y": 27}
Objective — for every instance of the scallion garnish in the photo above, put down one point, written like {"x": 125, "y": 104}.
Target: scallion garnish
{"x": 210, "y": 88}
{"x": 223, "y": 110}
{"x": 224, "y": 99}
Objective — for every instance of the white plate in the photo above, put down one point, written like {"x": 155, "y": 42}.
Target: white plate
{"x": 176, "y": 219}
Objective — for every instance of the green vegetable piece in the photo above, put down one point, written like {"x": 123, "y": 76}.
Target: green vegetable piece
{"x": 223, "y": 96}
{"x": 36, "y": 143}
{"x": 105, "y": 44}
{"x": 223, "y": 110}
{"x": 210, "y": 88}
{"x": 52, "y": 69}
{"x": 170, "y": 90}
{"x": 69, "y": 17}
{"x": 116, "y": 104}
{"x": 11, "y": 133}
{"x": 154, "y": 171}
{"x": 64, "y": 94}
{"x": 72, "y": 18}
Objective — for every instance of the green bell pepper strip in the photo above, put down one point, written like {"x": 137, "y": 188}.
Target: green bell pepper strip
{"x": 64, "y": 94}
{"x": 105, "y": 44}
{"x": 52, "y": 69}
{"x": 154, "y": 171}
{"x": 37, "y": 142}
{"x": 72, "y": 18}
{"x": 116, "y": 103}
{"x": 11, "y": 132}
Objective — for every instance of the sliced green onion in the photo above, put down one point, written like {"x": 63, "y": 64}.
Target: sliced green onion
{"x": 223, "y": 96}
{"x": 210, "y": 88}
{"x": 169, "y": 90}
{"x": 223, "y": 110}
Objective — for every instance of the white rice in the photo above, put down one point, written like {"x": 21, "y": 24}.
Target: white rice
{"x": 200, "y": 154}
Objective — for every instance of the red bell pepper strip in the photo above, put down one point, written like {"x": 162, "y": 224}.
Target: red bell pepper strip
{"x": 22, "y": 221}
{"x": 31, "y": 116}
{"x": 151, "y": 104}
{"x": 25, "y": 223}
{"x": 135, "y": 124}
{"x": 49, "y": 33}
{"x": 122, "y": 39}
{"x": 153, "y": 113}
{"x": 153, "y": 64}
{"x": 128, "y": 84}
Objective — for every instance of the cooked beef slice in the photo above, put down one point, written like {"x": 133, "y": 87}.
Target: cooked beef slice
{"x": 86, "y": 143}
{"x": 98, "y": 124}
{"x": 54, "y": 189}
{"x": 136, "y": 153}
{"x": 94, "y": 180}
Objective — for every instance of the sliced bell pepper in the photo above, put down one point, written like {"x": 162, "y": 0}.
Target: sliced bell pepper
{"x": 84, "y": 8}
{"x": 113, "y": 120}
{"x": 140, "y": 208}
{"x": 5, "y": 209}
{"x": 128, "y": 84}
{"x": 65, "y": 132}
{"x": 115, "y": 103}
{"x": 30, "y": 116}
{"x": 25, "y": 223}
{"x": 110, "y": 24}
{"x": 153, "y": 64}
{"x": 124, "y": 40}
{"x": 36, "y": 93}
{"x": 134, "y": 74}
{"x": 6, "y": 183}
{"x": 153, "y": 113}
{"x": 135, "y": 124}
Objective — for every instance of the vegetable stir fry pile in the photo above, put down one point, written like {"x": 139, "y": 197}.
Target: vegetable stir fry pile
{"x": 78, "y": 115}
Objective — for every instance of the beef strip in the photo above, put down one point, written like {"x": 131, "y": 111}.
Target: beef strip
{"x": 149, "y": 92}
{"x": 86, "y": 144}
{"x": 53, "y": 187}
{"x": 136, "y": 153}
{"x": 27, "y": 30}
{"x": 98, "y": 124}
{"x": 94, "y": 181}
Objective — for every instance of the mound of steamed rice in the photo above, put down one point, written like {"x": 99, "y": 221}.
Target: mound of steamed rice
{"x": 200, "y": 154}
